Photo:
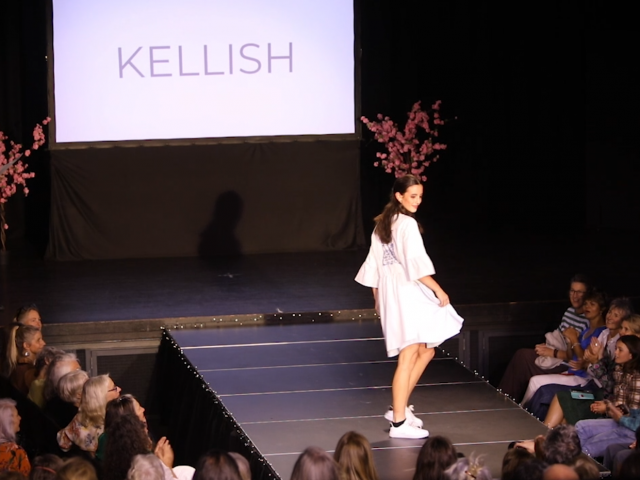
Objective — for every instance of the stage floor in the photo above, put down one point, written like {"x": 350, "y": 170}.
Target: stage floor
{"x": 293, "y": 386}
{"x": 472, "y": 268}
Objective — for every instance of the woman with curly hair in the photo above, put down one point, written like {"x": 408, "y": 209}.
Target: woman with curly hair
{"x": 355, "y": 458}
{"x": 88, "y": 424}
{"x": 116, "y": 409}
{"x": 126, "y": 436}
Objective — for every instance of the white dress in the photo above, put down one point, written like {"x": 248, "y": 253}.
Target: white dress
{"x": 409, "y": 311}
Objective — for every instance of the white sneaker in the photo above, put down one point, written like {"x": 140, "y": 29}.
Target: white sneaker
{"x": 407, "y": 431}
{"x": 408, "y": 413}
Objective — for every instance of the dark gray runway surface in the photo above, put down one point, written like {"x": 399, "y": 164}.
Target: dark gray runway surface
{"x": 293, "y": 386}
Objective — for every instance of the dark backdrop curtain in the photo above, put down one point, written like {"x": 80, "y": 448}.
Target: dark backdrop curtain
{"x": 205, "y": 200}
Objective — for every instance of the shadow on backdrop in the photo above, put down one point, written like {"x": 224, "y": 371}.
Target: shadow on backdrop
{"x": 218, "y": 241}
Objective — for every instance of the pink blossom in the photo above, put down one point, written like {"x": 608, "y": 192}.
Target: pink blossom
{"x": 27, "y": 153}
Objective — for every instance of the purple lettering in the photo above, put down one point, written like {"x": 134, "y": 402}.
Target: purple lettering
{"x": 290, "y": 57}
{"x": 184, "y": 74}
{"x": 206, "y": 64}
{"x": 152, "y": 61}
{"x": 250, "y": 58}
{"x": 128, "y": 62}
{"x": 230, "y": 59}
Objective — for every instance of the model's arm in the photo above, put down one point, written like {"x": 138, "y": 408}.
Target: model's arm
{"x": 375, "y": 299}
{"x": 430, "y": 282}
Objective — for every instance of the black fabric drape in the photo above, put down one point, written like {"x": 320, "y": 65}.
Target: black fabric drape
{"x": 205, "y": 200}
{"x": 194, "y": 415}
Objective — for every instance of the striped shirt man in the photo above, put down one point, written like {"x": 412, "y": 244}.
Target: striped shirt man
{"x": 573, "y": 319}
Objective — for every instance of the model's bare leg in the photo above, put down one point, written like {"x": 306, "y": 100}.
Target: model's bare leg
{"x": 425, "y": 355}
{"x": 401, "y": 386}
{"x": 555, "y": 415}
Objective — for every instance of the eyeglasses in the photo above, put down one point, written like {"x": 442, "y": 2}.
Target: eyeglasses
{"x": 115, "y": 388}
{"x": 577, "y": 292}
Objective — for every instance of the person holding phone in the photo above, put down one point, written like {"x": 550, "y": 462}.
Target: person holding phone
{"x": 623, "y": 411}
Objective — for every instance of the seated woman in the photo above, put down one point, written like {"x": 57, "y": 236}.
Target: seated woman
{"x": 355, "y": 458}
{"x": 36, "y": 390}
{"x": 594, "y": 309}
{"x": 436, "y": 455}
{"x": 23, "y": 347}
{"x": 126, "y": 436}
{"x": 88, "y": 424}
{"x": 116, "y": 409}
{"x": 624, "y": 411}
{"x": 57, "y": 408}
{"x": 13, "y": 458}
{"x": 631, "y": 325}
{"x": 564, "y": 407}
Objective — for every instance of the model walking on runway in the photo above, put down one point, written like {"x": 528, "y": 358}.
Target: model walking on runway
{"x": 414, "y": 310}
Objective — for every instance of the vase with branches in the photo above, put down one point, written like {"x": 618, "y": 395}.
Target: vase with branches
{"x": 14, "y": 173}
{"x": 409, "y": 150}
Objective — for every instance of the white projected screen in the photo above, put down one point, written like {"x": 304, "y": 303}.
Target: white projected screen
{"x": 159, "y": 69}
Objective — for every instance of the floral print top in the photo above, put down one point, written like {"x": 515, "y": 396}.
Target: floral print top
{"x": 85, "y": 437}
{"x": 14, "y": 459}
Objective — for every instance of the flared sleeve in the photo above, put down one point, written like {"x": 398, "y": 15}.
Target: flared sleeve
{"x": 417, "y": 263}
{"x": 368, "y": 274}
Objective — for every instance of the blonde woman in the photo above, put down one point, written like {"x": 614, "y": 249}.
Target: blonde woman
{"x": 88, "y": 424}
{"x": 23, "y": 347}
{"x": 631, "y": 325}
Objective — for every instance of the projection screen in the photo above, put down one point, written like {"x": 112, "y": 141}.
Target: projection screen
{"x": 139, "y": 70}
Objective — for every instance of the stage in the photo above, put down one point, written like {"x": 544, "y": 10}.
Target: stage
{"x": 286, "y": 387}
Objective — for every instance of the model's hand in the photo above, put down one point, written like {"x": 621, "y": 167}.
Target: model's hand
{"x": 543, "y": 351}
{"x": 443, "y": 297}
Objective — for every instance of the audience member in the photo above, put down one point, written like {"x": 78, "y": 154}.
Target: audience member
{"x": 530, "y": 470}
{"x": 559, "y": 472}
{"x": 523, "y": 364}
{"x": 28, "y": 315}
{"x": 471, "y": 468}
{"x": 630, "y": 468}
{"x": 561, "y": 445}
{"x": 594, "y": 309}
{"x": 59, "y": 366}
{"x": 312, "y": 464}
{"x": 88, "y": 424}
{"x": 436, "y": 455}
{"x": 243, "y": 465}
{"x": 355, "y": 458}
{"x": 514, "y": 457}
{"x": 12, "y": 456}
{"x": 45, "y": 467}
{"x": 126, "y": 437}
{"x": 219, "y": 465}
{"x": 146, "y": 467}
{"x": 24, "y": 344}
{"x": 77, "y": 468}
{"x": 36, "y": 390}
{"x": 631, "y": 325}
{"x": 565, "y": 408}
{"x": 620, "y": 427}
{"x": 586, "y": 468}
{"x": 64, "y": 405}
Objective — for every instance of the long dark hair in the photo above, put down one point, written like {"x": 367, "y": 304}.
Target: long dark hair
{"x": 126, "y": 438}
{"x": 436, "y": 455}
{"x": 394, "y": 207}
{"x": 633, "y": 344}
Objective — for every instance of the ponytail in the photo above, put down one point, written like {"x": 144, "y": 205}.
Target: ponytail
{"x": 11, "y": 358}
{"x": 394, "y": 208}
{"x": 18, "y": 335}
